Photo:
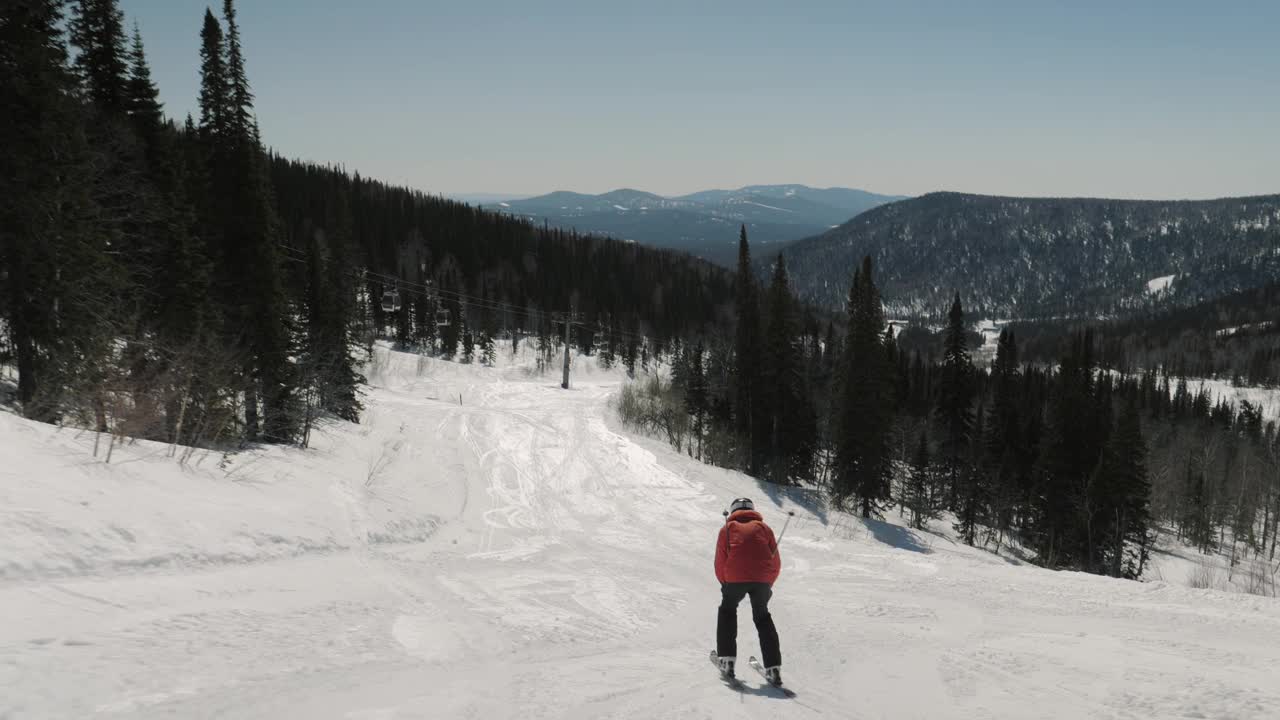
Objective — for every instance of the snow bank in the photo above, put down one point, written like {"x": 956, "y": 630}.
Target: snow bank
{"x": 67, "y": 514}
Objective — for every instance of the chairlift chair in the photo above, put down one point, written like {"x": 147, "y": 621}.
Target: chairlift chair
{"x": 442, "y": 318}
{"x": 391, "y": 301}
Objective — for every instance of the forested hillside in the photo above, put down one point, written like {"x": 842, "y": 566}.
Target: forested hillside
{"x": 492, "y": 268}
{"x": 177, "y": 282}
{"x": 1046, "y": 257}
{"x": 1234, "y": 338}
{"x": 1073, "y": 464}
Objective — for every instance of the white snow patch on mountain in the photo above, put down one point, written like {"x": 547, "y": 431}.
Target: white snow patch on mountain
{"x": 771, "y": 207}
{"x": 1160, "y": 284}
{"x": 1250, "y": 327}
{"x": 487, "y": 545}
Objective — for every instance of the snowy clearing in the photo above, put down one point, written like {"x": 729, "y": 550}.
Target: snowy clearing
{"x": 1267, "y": 399}
{"x": 487, "y": 545}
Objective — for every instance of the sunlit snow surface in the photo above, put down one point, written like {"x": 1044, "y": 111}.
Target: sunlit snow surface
{"x": 486, "y": 545}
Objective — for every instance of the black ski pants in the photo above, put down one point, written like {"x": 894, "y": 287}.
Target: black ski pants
{"x": 731, "y": 595}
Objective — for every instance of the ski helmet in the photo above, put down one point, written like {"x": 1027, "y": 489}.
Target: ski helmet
{"x": 741, "y": 504}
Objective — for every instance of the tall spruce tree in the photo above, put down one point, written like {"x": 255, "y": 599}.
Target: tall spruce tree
{"x": 240, "y": 121}
{"x": 1072, "y": 450}
{"x": 242, "y": 212}
{"x": 747, "y": 356}
{"x": 329, "y": 360}
{"x": 955, "y": 398}
{"x": 215, "y": 96}
{"x": 1003, "y": 435}
{"x": 142, "y": 97}
{"x": 97, "y": 30}
{"x": 1124, "y": 517}
{"x": 60, "y": 276}
{"x": 862, "y": 468}
{"x": 917, "y": 495}
{"x": 785, "y": 405}
{"x": 36, "y": 126}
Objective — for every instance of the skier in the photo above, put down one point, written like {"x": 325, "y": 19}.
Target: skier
{"x": 747, "y": 564}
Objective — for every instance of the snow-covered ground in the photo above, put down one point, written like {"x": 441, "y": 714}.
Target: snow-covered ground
{"x": 486, "y": 545}
{"x": 1177, "y": 564}
{"x": 1266, "y": 398}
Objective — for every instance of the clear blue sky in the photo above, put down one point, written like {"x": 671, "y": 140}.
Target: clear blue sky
{"x": 1168, "y": 99}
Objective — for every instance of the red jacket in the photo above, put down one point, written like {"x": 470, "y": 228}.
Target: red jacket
{"x": 746, "y": 550}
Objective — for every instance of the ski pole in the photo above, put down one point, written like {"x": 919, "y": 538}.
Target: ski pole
{"x": 790, "y": 514}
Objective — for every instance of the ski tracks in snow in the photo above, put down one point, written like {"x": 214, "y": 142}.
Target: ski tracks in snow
{"x": 517, "y": 556}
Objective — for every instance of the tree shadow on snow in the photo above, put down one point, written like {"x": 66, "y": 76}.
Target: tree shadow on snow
{"x": 895, "y": 536}
{"x": 807, "y": 499}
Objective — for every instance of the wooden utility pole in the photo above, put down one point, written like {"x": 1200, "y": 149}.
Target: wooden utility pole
{"x": 569, "y": 319}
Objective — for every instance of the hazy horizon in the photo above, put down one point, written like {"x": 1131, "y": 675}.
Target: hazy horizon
{"x": 1170, "y": 100}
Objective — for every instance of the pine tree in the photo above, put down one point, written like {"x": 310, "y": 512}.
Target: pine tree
{"x": 783, "y": 400}
{"x": 142, "y": 97}
{"x": 240, "y": 121}
{"x": 1072, "y": 451}
{"x": 97, "y": 30}
{"x": 1003, "y": 436}
{"x": 215, "y": 95}
{"x": 1124, "y": 515}
{"x": 1196, "y": 519}
{"x": 747, "y": 355}
{"x": 331, "y": 348}
{"x": 862, "y": 466}
{"x": 59, "y": 277}
{"x": 955, "y": 407}
{"x": 917, "y": 497}
{"x": 1003, "y": 423}
{"x": 246, "y": 236}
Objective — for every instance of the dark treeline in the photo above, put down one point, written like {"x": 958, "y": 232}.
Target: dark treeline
{"x": 175, "y": 281}
{"x": 1075, "y": 465}
{"x": 518, "y": 275}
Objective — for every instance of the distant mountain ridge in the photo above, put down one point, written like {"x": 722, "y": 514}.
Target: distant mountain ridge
{"x": 704, "y": 223}
{"x": 1043, "y": 257}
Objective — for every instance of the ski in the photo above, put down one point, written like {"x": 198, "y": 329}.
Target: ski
{"x": 755, "y": 665}
{"x": 732, "y": 682}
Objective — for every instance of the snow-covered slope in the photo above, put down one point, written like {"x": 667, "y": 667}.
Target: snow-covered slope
{"x": 486, "y": 545}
